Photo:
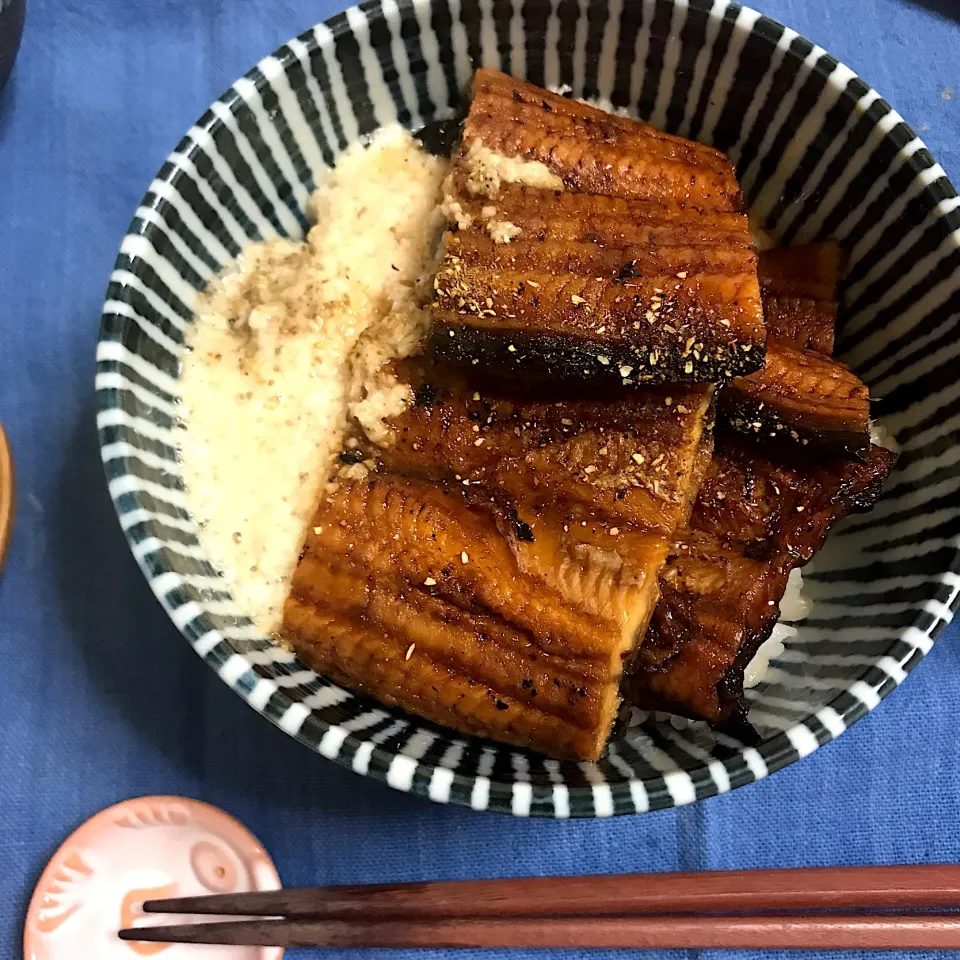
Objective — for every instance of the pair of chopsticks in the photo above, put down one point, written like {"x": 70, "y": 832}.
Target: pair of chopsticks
{"x": 759, "y": 909}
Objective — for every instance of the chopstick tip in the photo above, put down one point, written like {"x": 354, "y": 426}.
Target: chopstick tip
{"x": 138, "y": 933}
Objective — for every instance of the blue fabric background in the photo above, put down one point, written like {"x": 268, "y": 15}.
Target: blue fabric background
{"x": 101, "y": 700}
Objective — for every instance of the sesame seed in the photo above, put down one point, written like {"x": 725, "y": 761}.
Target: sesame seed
{"x": 650, "y": 315}
{"x": 476, "y": 396}
{"x": 799, "y": 509}
{"x": 566, "y": 423}
{"x": 476, "y": 429}
{"x": 474, "y": 362}
{"x": 659, "y": 458}
{"x": 682, "y": 275}
{"x": 489, "y": 301}
{"x": 533, "y": 283}
{"x": 478, "y": 442}
{"x": 602, "y": 329}
{"x": 604, "y": 360}
{"x": 688, "y": 367}
{"x": 682, "y": 408}
{"x": 511, "y": 348}
{"x": 638, "y": 457}
{"x": 577, "y": 300}
{"x": 625, "y": 371}
{"x": 464, "y": 558}
{"x": 603, "y": 451}
{"x": 590, "y": 469}
{"x": 410, "y": 650}
{"x": 429, "y": 582}
{"x": 668, "y": 401}
{"x": 614, "y": 530}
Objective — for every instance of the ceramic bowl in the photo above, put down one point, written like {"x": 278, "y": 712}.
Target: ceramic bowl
{"x": 820, "y": 154}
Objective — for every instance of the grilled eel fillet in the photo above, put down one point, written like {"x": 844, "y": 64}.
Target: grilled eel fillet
{"x": 611, "y": 252}
{"x": 499, "y": 565}
{"x": 755, "y": 519}
{"x": 757, "y": 516}
{"x": 799, "y": 289}
{"x": 802, "y": 394}
{"x": 801, "y": 397}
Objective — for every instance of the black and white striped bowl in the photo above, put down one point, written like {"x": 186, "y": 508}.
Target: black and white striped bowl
{"x": 820, "y": 155}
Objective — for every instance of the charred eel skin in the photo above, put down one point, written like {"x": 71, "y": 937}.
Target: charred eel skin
{"x": 803, "y": 397}
{"x": 626, "y": 260}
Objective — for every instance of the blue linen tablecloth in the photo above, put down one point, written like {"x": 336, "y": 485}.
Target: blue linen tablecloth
{"x": 100, "y": 699}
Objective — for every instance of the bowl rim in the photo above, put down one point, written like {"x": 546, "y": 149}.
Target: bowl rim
{"x": 772, "y": 754}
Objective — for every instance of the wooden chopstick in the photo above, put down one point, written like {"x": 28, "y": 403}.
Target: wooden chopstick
{"x": 831, "y": 888}
{"x": 681, "y": 910}
{"x": 835, "y": 931}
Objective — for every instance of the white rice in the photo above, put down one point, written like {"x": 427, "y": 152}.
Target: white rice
{"x": 288, "y": 343}
{"x": 882, "y": 436}
{"x": 794, "y": 607}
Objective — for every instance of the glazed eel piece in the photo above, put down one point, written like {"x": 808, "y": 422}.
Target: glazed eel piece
{"x": 802, "y": 394}
{"x": 755, "y": 519}
{"x": 762, "y": 510}
{"x": 799, "y": 289}
{"x": 494, "y": 565}
{"x": 587, "y": 247}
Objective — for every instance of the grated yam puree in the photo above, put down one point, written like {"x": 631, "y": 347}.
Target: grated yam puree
{"x": 288, "y": 343}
